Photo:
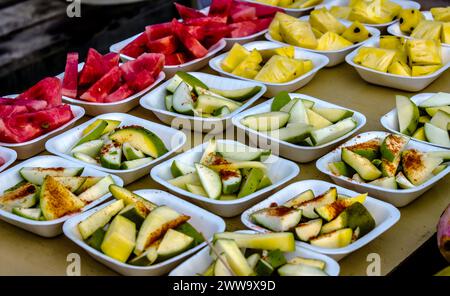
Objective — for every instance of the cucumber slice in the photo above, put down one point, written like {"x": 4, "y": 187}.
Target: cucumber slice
{"x": 90, "y": 181}
{"x": 98, "y": 190}
{"x": 284, "y": 241}
{"x": 332, "y": 132}
{"x": 300, "y": 270}
{"x": 298, "y": 113}
{"x": 120, "y": 239}
{"x": 182, "y": 100}
{"x": 266, "y": 121}
{"x": 280, "y": 100}
{"x": 222, "y": 111}
{"x": 308, "y": 207}
{"x": 210, "y": 180}
{"x": 294, "y": 133}
{"x": 339, "y": 168}
{"x": 209, "y": 104}
{"x": 91, "y": 148}
{"x": 241, "y": 94}
{"x": 195, "y": 189}
{"x": 238, "y": 152}
{"x": 173, "y": 244}
{"x": 333, "y": 114}
{"x": 111, "y": 156}
{"x": 99, "y": 219}
{"x": 436, "y": 135}
{"x": 32, "y": 214}
{"x": 408, "y": 115}
{"x": 179, "y": 168}
{"x": 181, "y": 181}
{"x": 37, "y": 175}
{"x": 286, "y": 108}
{"x": 14, "y": 187}
{"x": 263, "y": 268}
{"x": 187, "y": 78}
{"x": 189, "y": 230}
{"x": 437, "y": 100}
{"x": 85, "y": 158}
{"x": 265, "y": 182}
{"x": 129, "y": 197}
{"x": 433, "y": 110}
{"x": 168, "y": 102}
{"x": 132, "y": 164}
{"x": 94, "y": 133}
{"x": 131, "y": 153}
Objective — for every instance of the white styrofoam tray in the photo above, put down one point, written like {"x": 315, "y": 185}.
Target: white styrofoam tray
{"x": 8, "y": 155}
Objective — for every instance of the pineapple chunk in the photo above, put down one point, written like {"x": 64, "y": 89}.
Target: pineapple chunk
{"x": 236, "y": 55}
{"x": 342, "y": 12}
{"x": 317, "y": 33}
{"x": 356, "y": 33}
{"x": 332, "y": 41}
{"x": 274, "y": 27}
{"x": 285, "y": 51}
{"x": 424, "y": 70}
{"x": 374, "y": 11}
{"x": 427, "y": 30}
{"x": 269, "y": 2}
{"x": 409, "y": 19}
{"x": 399, "y": 68}
{"x": 395, "y": 43}
{"x": 423, "y": 52}
{"x": 324, "y": 21}
{"x": 285, "y": 3}
{"x": 441, "y": 14}
{"x": 308, "y": 65}
{"x": 374, "y": 58}
{"x": 298, "y": 33}
{"x": 305, "y": 3}
{"x": 249, "y": 67}
{"x": 445, "y": 38}
{"x": 279, "y": 69}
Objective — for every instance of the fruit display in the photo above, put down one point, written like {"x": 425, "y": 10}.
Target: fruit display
{"x": 300, "y": 122}
{"x": 368, "y": 11}
{"x": 400, "y": 56}
{"x": 328, "y": 220}
{"x": 188, "y": 95}
{"x": 49, "y": 193}
{"x": 443, "y": 233}
{"x": 388, "y": 163}
{"x": 259, "y": 254}
{"x": 103, "y": 80}
{"x": 322, "y": 31}
{"x": 428, "y": 121}
{"x": 224, "y": 172}
{"x": 292, "y": 4}
{"x": 108, "y": 144}
{"x": 135, "y": 231}
{"x": 276, "y": 65}
{"x": 34, "y": 112}
{"x": 191, "y": 39}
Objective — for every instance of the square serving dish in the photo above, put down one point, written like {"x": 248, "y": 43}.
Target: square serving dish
{"x": 32, "y": 147}
{"x": 318, "y": 60}
{"x": 278, "y": 169}
{"x": 8, "y": 155}
{"x": 203, "y": 221}
{"x": 198, "y": 263}
{"x": 385, "y": 215}
{"x": 172, "y": 138}
{"x": 397, "y": 197}
{"x": 406, "y": 83}
{"x": 124, "y": 106}
{"x": 335, "y": 57}
{"x": 288, "y": 150}
{"x": 51, "y": 228}
{"x": 390, "y": 120}
{"x": 154, "y": 101}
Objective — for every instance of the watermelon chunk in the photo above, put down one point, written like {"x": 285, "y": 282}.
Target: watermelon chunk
{"x": 204, "y": 21}
{"x": 142, "y": 72}
{"x": 192, "y": 45}
{"x": 165, "y": 45}
{"x": 30, "y": 105}
{"x": 110, "y": 60}
{"x": 10, "y": 110}
{"x": 243, "y": 29}
{"x": 243, "y": 13}
{"x": 100, "y": 90}
{"x": 93, "y": 68}
{"x": 187, "y": 12}
{"x": 70, "y": 81}
{"x": 48, "y": 89}
{"x": 158, "y": 31}
{"x": 221, "y": 9}
{"x": 177, "y": 58}
{"x": 262, "y": 11}
{"x": 262, "y": 23}
{"x": 198, "y": 32}
{"x": 136, "y": 47}
{"x": 119, "y": 94}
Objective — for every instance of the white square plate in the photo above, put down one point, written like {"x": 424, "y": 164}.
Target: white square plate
{"x": 397, "y": 197}
{"x": 203, "y": 221}
{"x": 154, "y": 101}
{"x": 8, "y": 155}
{"x": 172, "y": 138}
{"x": 54, "y": 227}
{"x": 278, "y": 169}
{"x": 288, "y": 150}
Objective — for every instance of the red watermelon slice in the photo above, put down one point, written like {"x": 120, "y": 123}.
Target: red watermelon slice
{"x": 198, "y": 32}
{"x": 30, "y": 105}
{"x": 165, "y": 45}
{"x": 70, "y": 81}
{"x": 48, "y": 89}
{"x": 204, "y": 21}
{"x": 243, "y": 29}
{"x": 192, "y": 45}
{"x": 110, "y": 60}
{"x": 158, "y": 31}
{"x": 263, "y": 23}
{"x": 177, "y": 58}
{"x": 10, "y": 110}
{"x": 100, "y": 90}
{"x": 119, "y": 94}
{"x": 187, "y": 12}
{"x": 93, "y": 68}
{"x": 243, "y": 13}
{"x": 261, "y": 10}
{"x": 142, "y": 72}
{"x": 136, "y": 47}
{"x": 221, "y": 9}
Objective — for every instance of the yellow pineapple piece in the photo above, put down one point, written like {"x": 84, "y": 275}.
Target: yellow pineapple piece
{"x": 374, "y": 58}
{"x": 279, "y": 69}
{"x": 317, "y": 33}
{"x": 441, "y": 13}
{"x": 269, "y": 2}
{"x": 342, "y": 12}
{"x": 356, "y": 33}
{"x": 427, "y": 30}
{"x": 305, "y": 3}
{"x": 298, "y": 33}
{"x": 423, "y": 52}
{"x": 399, "y": 68}
{"x": 237, "y": 54}
{"x": 394, "y": 43}
{"x": 304, "y": 66}
{"x": 285, "y": 51}
{"x": 409, "y": 19}
{"x": 285, "y": 3}
{"x": 274, "y": 27}
{"x": 445, "y": 38}
{"x": 374, "y": 11}
{"x": 332, "y": 41}
{"x": 424, "y": 70}
{"x": 324, "y": 21}
{"x": 249, "y": 67}
{"x": 308, "y": 65}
